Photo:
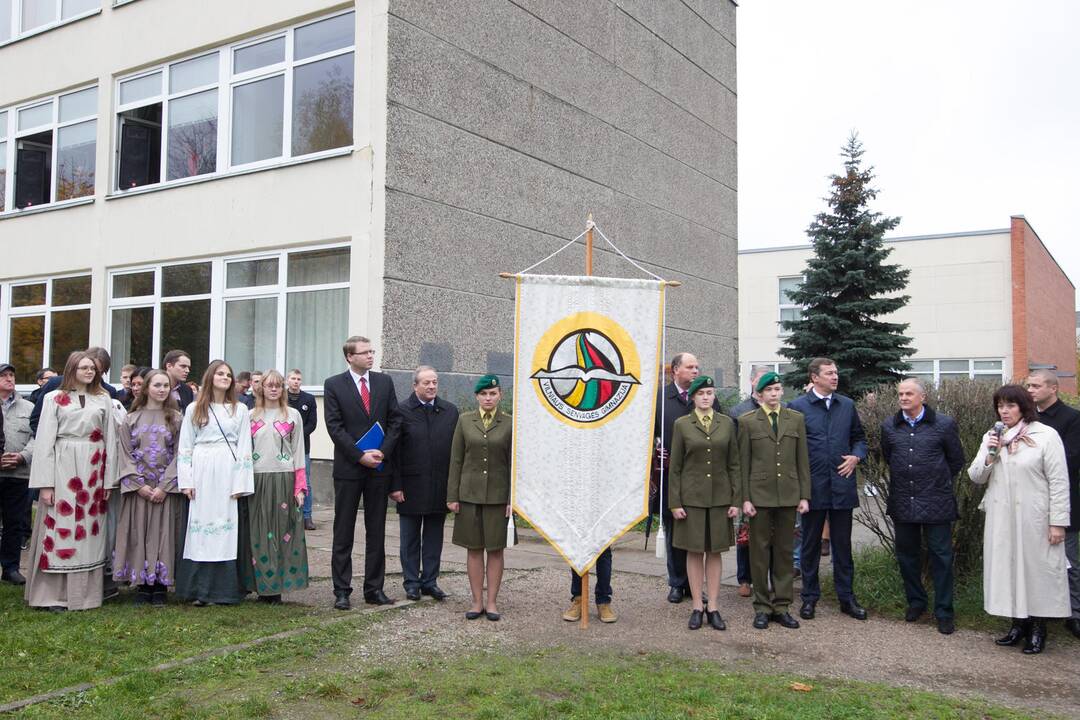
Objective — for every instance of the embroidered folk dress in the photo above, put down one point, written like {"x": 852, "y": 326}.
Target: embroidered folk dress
{"x": 145, "y": 545}
{"x": 215, "y": 461}
{"x": 74, "y": 456}
{"x": 278, "y": 546}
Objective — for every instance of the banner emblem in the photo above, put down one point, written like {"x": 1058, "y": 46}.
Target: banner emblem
{"x": 585, "y": 369}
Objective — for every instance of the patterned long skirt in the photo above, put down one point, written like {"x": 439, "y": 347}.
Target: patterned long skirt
{"x": 278, "y": 547}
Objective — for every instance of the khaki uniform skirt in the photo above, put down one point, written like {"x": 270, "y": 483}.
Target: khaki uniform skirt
{"x": 480, "y": 527}
{"x": 704, "y": 530}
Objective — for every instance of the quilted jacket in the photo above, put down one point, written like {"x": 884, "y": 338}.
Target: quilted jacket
{"x": 923, "y": 463}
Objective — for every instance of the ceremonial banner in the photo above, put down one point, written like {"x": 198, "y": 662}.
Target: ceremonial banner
{"x": 586, "y": 366}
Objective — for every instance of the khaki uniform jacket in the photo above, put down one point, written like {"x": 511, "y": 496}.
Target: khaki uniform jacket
{"x": 704, "y": 466}
{"x": 17, "y": 435}
{"x": 775, "y": 466}
{"x": 480, "y": 460}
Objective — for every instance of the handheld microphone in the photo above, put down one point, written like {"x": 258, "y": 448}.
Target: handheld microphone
{"x": 999, "y": 430}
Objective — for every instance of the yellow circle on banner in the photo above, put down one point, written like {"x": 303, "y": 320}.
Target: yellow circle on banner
{"x": 585, "y": 370}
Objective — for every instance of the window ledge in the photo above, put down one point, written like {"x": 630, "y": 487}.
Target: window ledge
{"x": 209, "y": 177}
{"x": 46, "y": 28}
{"x": 63, "y": 204}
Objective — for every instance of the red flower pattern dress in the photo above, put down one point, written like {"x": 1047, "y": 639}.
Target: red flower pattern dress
{"x": 74, "y": 455}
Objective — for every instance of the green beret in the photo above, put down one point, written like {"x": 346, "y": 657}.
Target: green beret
{"x": 486, "y": 382}
{"x": 766, "y": 380}
{"x": 701, "y": 381}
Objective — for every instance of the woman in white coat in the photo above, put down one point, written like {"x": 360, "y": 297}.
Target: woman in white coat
{"x": 1027, "y": 510}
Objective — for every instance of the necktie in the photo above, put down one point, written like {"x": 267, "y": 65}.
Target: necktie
{"x": 682, "y": 396}
{"x": 706, "y": 421}
{"x": 365, "y": 396}
{"x": 772, "y": 419}
{"x": 486, "y": 417}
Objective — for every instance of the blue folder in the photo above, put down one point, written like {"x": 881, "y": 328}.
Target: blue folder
{"x": 372, "y": 440}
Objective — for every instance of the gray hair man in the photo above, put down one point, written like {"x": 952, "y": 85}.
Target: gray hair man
{"x": 14, "y": 475}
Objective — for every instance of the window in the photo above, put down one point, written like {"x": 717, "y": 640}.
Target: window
{"x": 281, "y": 310}
{"x": 19, "y": 18}
{"x": 789, "y": 310}
{"x": 45, "y": 321}
{"x": 256, "y": 103}
{"x": 51, "y": 145}
{"x": 936, "y": 371}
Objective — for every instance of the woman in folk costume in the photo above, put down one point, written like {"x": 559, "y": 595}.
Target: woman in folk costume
{"x": 1027, "y": 510}
{"x": 275, "y": 511}
{"x": 213, "y": 471}
{"x": 145, "y": 546}
{"x": 703, "y": 494}
{"x": 478, "y": 493}
{"x": 75, "y": 469}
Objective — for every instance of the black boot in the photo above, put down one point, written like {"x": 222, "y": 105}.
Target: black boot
{"x": 1036, "y": 641}
{"x": 1018, "y": 630}
{"x": 142, "y": 597}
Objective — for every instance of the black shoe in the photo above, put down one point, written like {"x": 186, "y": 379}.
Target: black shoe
{"x": 377, "y": 597}
{"x": 1017, "y": 630}
{"x": 761, "y": 621}
{"x": 492, "y": 616}
{"x": 1073, "y": 626}
{"x": 309, "y": 524}
{"x": 806, "y": 612}
{"x": 854, "y": 609}
{"x": 715, "y": 621}
{"x": 411, "y": 594}
{"x": 1036, "y": 641}
{"x": 434, "y": 591}
{"x": 785, "y": 619}
{"x": 341, "y": 601}
{"x": 270, "y": 599}
{"x": 158, "y": 599}
{"x": 695, "y": 620}
{"x": 473, "y": 614}
{"x": 14, "y": 577}
{"x": 913, "y": 613}
{"x": 675, "y": 595}
{"x": 946, "y": 626}
{"x": 142, "y": 598}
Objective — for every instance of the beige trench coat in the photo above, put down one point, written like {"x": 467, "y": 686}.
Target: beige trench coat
{"x": 1027, "y": 492}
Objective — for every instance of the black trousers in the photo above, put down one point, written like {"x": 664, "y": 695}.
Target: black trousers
{"x": 813, "y": 523}
{"x": 14, "y": 507}
{"x": 347, "y": 496}
{"x": 909, "y": 557}
{"x": 421, "y": 549}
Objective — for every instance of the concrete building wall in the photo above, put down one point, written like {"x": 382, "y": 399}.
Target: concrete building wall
{"x": 509, "y": 122}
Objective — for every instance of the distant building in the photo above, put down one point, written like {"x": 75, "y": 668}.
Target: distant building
{"x": 989, "y": 304}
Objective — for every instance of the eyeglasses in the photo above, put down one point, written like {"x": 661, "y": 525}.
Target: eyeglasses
{"x": 364, "y": 352}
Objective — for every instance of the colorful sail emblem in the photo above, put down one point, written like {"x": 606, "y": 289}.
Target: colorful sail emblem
{"x": 585, "y": 369}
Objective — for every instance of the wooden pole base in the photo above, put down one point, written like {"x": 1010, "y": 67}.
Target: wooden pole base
{"x": 585, "y": 600}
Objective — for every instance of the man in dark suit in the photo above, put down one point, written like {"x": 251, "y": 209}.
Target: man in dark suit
{"x": 177, "y": 365}
{"x": 421, "y": 467}
{"x": 354, "y": 401}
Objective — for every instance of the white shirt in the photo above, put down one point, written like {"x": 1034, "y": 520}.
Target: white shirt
{"x": 826, "y": 398}
{"x": 357, "y": 378}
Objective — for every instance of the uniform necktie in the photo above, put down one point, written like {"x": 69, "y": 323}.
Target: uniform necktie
{"x": 706, "y": 421}
{"x": 486, "y": 418}
{"x": 772, "y": 419}
{"x": 365, "y": 396}
{"x": 682, "y": 396}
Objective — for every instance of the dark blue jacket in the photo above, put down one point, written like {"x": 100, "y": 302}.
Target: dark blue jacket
{"x": 923, "y": 463}
{"x": 831, "y": 434}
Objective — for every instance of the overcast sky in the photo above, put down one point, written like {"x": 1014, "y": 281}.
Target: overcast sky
{"x": 969, "y": 110}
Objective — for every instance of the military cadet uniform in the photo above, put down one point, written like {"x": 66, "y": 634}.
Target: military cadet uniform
{"x": 480, "y": 476}
{"x": 775, "y": 477}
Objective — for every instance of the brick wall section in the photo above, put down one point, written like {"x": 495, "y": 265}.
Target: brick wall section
{"x": 1044, "y": 303}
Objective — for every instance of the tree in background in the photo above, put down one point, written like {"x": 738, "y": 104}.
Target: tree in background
{"x": 848, "y": 287}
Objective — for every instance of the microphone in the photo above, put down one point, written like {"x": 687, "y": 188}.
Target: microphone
{"x": 999, "y": 430}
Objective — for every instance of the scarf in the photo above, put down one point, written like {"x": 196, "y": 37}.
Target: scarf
{"x": 1016, "y": 435}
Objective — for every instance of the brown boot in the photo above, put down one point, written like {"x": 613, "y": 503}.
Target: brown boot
{"x": 607, "y": 615}
{"x": 573, "y": 613}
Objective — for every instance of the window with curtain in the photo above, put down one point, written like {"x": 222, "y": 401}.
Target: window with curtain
{"x": 46, "y": 320}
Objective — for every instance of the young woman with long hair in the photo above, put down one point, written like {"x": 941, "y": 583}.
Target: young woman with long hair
{"x": 75, "y": 469}
{"x": 213, "y": 471}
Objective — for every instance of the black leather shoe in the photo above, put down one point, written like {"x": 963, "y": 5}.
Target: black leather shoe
{"x": 1017, "y": 630}
{"x": 695, "y": 620}
{"x": 434, "y": 591}
{"x": 378, "y": 597}
{"x": 675, "y": 595}
{"x": 341, "y": 601}
{"x": 492, "y": 616}
{"x": 270, "y": 599}
{"x": 854, "y": 609}
{"x": 1036, "y": 641}
{"x": 785, "y": 619}
{"x": 761, "y": 621}
{"x": 715, "y": 621}
{"x": 413, "y": 595}
{"x": 14, "y": 577}
{"x": 806, "y": 612}
{"x": 1073, "y": 626}
{"x": 473, "y": 614}
{"x": 913, "y": 613}
{"x": 946, "y": 626}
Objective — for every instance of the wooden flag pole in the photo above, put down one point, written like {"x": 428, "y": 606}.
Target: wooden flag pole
{"x": 585, "y": 575}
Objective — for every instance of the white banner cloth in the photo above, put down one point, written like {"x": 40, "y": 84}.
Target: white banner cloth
{"x": 586, "y": 365}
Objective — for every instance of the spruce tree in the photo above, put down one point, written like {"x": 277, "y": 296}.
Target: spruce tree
{"x": 848, "y": 287}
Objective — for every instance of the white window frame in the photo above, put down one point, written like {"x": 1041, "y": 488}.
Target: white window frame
{"x": 46, "y": 310}
{"x": 17, "y": 16}
{"x": 971, "y": 373}
{"x": 11, "y": 136}
{"x": 226, "y": 82}
{"x": 782, "y": 306}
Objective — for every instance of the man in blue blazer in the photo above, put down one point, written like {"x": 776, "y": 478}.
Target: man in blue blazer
{"x": 837, "y": 444}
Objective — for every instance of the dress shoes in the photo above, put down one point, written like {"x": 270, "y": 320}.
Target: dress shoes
{"x": 378, "y": 597}
{"x": 806, "y": 612}
{"x": 605, "y": 613}
{"x": 473, "y": 614}
{"x": 946, "y": 626}
{"x": 785, "y": 620}
{"x": 341, "y": 601}
{"x": 309, "y": 524}
{"x": 412, "y": 594}
{"x": 14, "y": 577}
{"x": 675, "y": 595}
{"x": 158, "y": 600}
{"x": 695, "y": 620}
{"x": 573, "y": 613}
{"x": 434, "y": 592}
{"x": 1017, "y": 630}
{"x": 492, "y": 616}
{"x": 1073, "y": 626}
{"x": 715, "y": 621}
{"x": 854, "y": 609}
{"x": 913, "y": 613}
{"x": 761, "y": 621}
{"x": 744, "y": 589}
{"x": 1036, "y": 641}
